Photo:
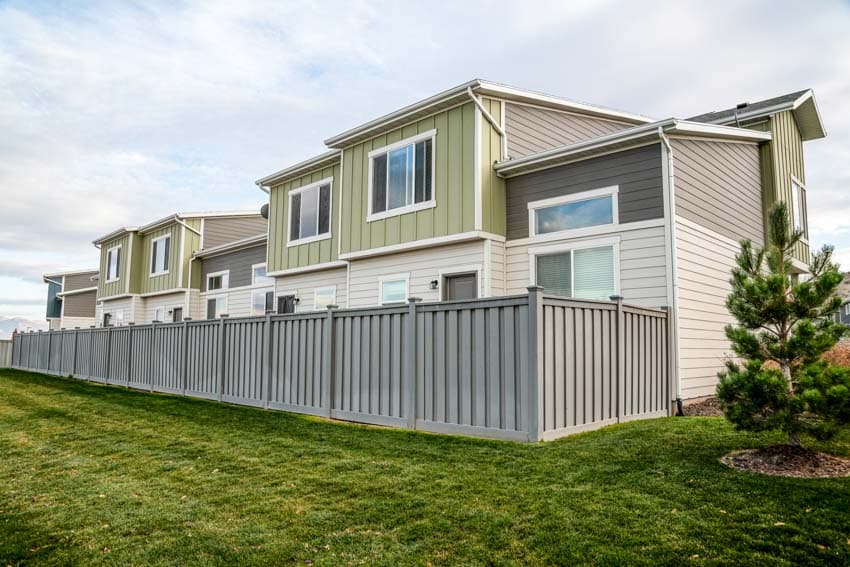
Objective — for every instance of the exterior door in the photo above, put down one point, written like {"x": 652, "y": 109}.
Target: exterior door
{"x": 286, "y": 304}
{"x": 177, "y": 315}
{"x": 461, "y": 286}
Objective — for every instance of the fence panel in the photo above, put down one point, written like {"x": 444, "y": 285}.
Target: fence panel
{"x": 142, "y": 351}
{"x": 166, "y": 349}
{"x": 54, "y": 360}
{"x": 646, "y": 391}
{"x": 119, "y": 355}
{"x": 69, "y": 350}
{"x": 203, "y": 358}
{"x": 297, "y": 362}
{"x": 243, "y": 369}
{"x": 99, "y": 355}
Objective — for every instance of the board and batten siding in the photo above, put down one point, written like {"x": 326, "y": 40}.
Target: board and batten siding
{"x": 636, "y": 171}
{"x": 303, "y": 286}
{"x": 493, "y": 187}
{"x": 283, "y": 257}
{"x": 453, "y": 185}
{"x": 704, "y": 261}
{"x": 238, "y": 262}
{"x": 120, "y": 286}
{"x": 422, "y": 266}
{"x": 533, "y": 129}
{"x": 718, "y": 186}
{"x": 643, "y": 271}
{"x": 221, "y": 230}
{"x": 188, "y": 245}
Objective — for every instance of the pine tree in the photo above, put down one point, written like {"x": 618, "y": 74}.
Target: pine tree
{"x": 784, "y": 326}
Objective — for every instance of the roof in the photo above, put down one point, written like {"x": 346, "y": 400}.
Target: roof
{"x": 62, "y": 273}
{"x": 247, "y": 242}
{"x": 801, "y": 103}
{"x": 172, "y": 217}
{"x": 459, "y": 94}
{"x": 622, "y": 139}
{"x": 305, "y": 166}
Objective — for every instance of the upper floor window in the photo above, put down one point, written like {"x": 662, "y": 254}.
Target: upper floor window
{"x": 310, "y": 213}
{"x": 259, "y": 277}
{"x": 113, "y": 264}
{"x": 798, "y": 206}
{"x": 218, "y": 280}
{"x": 571, "y": 212}
{"x": 401, "y": 177}
{"x": 160, "y": 252}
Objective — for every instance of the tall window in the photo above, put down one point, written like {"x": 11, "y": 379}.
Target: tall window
{"x": 798, "y": 206}
{"x": 583, "y": 273}
{"x": 262, "y": 302}
{"x": 113, "y": 264}
{"x": 160, "y": 251}
{"x": 402, "y": 177}
{"x": 571, "y": 212}
{"x": 310, "y": 212}
{"x": 259, "y": 277}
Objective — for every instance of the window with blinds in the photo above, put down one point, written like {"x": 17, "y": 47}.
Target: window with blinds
{"x": 586, "y": 273}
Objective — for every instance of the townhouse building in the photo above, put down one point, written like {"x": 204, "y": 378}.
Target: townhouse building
{"x": 71, "y": 297}
{"x": 484, "y": 189}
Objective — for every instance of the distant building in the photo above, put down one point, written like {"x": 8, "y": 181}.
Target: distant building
{"x": 71, "y": 298}
{"x": 843, "y": 292}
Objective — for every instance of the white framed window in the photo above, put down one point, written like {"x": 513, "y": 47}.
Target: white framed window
{"x": 310, "y": 212}
{"x": 324, "y": 296}
{"x": 798, "y": 206}
{"x": 259, "y": 277}
{"x": 216, "y": 306}
{"x": 159, "y": 314}
{"x": 401, "y": 177}
{"x": 160, "y": 254}
{"x": 119, "y": 318}
{"x": 847, "y": 309}
{"x": 218, "y": 280}
{"x": 113, "y": 264}
{"x": 581, "y": 270}
{"x": 569, "y": 215}
{"x": 262, "y": 302}
{"x": 393, "y": 289}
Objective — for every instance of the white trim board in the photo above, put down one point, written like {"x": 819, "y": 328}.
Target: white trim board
{"x": 423, "y": 243}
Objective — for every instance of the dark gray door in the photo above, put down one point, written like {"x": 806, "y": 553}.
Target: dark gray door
{"x": 177, "y": 315}
{"x": 286, "y": 304}
{"x": 461, "y": 286}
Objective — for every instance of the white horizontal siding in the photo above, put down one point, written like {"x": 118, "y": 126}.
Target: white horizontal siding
{"x": 239, "y": 301}
{"x": 705, "y": 260}
{"x": 643, "y": 278}
{"x": 81, "y": 322}
{"x": 304, "y": 285}
{"x": 497, "y": 267}
{"x": 169, "y": 301}
{"x": 424, "y": 266}
{"x": 115, "y": 307}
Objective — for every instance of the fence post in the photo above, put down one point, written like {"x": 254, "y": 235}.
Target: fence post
{"x": 91, "y": 352}
{"x": 267, "y": 359}
{"x": 74, "y": 354}
{"x": 327, "y": 363}
{"x": 108, "y": 353}
{"x": 621, "y": 357}
{"x": 49, "y": 341}
{"x": 535, "y": 362}
{"x": 152, "y": 349}
{"x": 184, "y": 367}
{"x": 221, "y": 349}
{"x": 410, "y": 364}
{"x": 37, "y": 349}
{"x": 130, "y": 326}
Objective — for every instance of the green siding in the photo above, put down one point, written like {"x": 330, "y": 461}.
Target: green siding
{"x": 191, "y": 244}
{"x": 493, "y": 196}
{"x": 282, "y": 257}
{"x": 136, "y": 264}
{"x": 171, "y": 279}
{"x": 120, "y": 286}
{"x": 453, "y": 185}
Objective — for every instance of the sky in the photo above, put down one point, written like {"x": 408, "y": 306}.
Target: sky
{"x": 118, "y": 113}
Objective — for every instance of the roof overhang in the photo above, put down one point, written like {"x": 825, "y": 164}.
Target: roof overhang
{"x": 114, "y": 234}
{"x": 70, "y": 273}
{"x": 458, "y": 95}
{"x": 624, "y": 139}
{"x": 242, "y": 243}
{"x": 805, "y": 111}
{"x": 322, "y": 160}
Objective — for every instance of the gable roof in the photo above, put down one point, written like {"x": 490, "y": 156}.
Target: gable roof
{"x": 300, "y": 168}
{"x": 459, "y": 94}
{"x": 247, "y": 242}
{"x": 801, "y": 103}
{"x": 171, "y": 218}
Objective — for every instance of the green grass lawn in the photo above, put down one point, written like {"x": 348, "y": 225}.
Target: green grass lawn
{"x": 94, "y": 474}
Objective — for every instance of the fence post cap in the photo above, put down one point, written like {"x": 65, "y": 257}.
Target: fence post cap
{"x": 413, "y": 299}
{"x": 617, "y": 298}
{"x": 186, "y": 319}
{"x": 330, "y": 307}
{"x": 534, "y": 288}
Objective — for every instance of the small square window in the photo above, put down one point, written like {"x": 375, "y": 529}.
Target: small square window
{"x": 393, "y": 289}
{"x": 259, "y": 277}
{"x": 262, "y": 302}
{"x": 218, "y": 280}
{"x": 324, "y": 296}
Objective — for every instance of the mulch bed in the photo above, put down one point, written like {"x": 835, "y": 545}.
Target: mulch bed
{"x": 705, "y": 408}
{"x": 788, "y": 460}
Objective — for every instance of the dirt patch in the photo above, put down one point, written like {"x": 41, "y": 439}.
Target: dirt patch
{"x": 788, "y": 460}
{"x": 839, "y": 354}
{"x": 706, "y": 408}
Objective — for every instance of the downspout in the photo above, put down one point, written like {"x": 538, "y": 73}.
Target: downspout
{"x": 503, "y": 138}
{"x": 671, "y": 220}
{"x": 184, "y": 225}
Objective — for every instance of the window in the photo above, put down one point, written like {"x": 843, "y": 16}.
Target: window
{"x": 218, "y": 280}
{"x": 571, "y": 212}
{"x": 160, "y": 250}
{"x": 107, "y": 318}
{"x": 113, "y": 264}
{"x": 177, "y": 315}
{"x": 216, "y": 307}
{"x": 324, "y": 296}
{"x": 262, "y": 302}
{"x": 401, "y": 177}
{"x": 798, "y": 206}
{"x": 310, "y": 213}
{"x": 159, "y": 314}
{"x": 847, "y": 309}
{"x": 259, "y": 277}
{"x": 583, "y": 273}
{"x": 393, "y": 289}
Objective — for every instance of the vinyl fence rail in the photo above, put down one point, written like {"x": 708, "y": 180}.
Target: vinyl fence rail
{"x": 528, "y": 367}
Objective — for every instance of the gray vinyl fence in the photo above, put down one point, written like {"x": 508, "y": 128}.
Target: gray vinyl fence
{"x": 525, "y": 367}
{"x": 5, "y": 353}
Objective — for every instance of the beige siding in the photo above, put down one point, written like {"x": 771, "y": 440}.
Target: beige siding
{"x": 122, "y": 311}
{"x": 423, "y": 266}
{"x": 718, "y": 185}
{"x": 79, "y": 304}
{"x": 221, "y": 230}
{"x": 239, "y": 300}
{"x": 497, "y": 256}
{"x": 303, "y": 286}
{"x": 704, "y": 261}
{"x": 81, "y": 322}
{"x": 79, "y": 281}
{"x": 643, "y": 279}
{"x": 169, "y": 301}
{"x": 532, "y": 129}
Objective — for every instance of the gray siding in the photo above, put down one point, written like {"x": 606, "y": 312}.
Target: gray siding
{"x": 80, "y": 304}
{"x": 79, "y": 281}
{"x": 637, "y": 172}
{"x": 239, "y": 263}
{"x": 718, "y": 186}
{"x": 531, "y": 129}
{"x": 221, "y": 230}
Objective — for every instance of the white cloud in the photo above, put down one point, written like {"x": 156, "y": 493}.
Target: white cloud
{"x": 118, "y": 113}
